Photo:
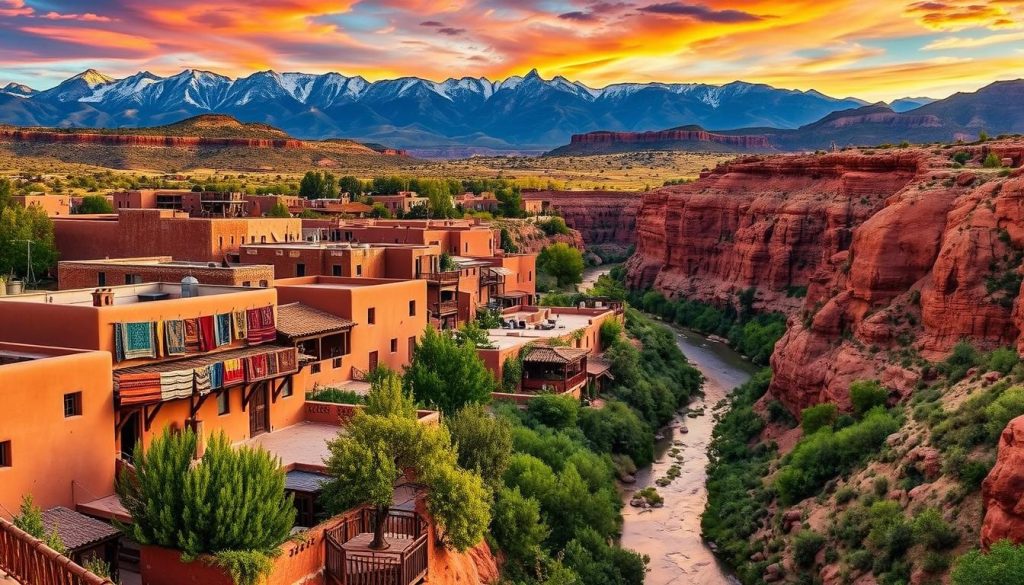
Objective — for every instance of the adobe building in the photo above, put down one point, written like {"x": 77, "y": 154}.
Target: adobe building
{"x": 194, "y": 203}
{"x": 387, "y": 318}
{"x": 401, "y": 203}
{"x": 99, "y": 273}
{"x": 455, "y": 236}
{"x": 156, "y": 232}
{"x": 52, "y": 205}
{"x": 485, "y": 201}
{"x": 56, "y": 425}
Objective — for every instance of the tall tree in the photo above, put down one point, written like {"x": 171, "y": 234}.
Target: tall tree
{"x": 18, "y": 226}
{"x": 279, "y": 210}
{"x": 562, "y": 262}
{"x": 385, "y": 440}
{"x": 94, "y": 204}
{"x": 484, "y": 442}
{"x": 448, "y": 374}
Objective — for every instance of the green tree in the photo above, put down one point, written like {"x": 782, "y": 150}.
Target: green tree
{"x": 231, "y": 504}
{"x": 554, "y": 410}
{"x": 351, "y": 185}
{"x": 379, "y": 211}
{"x": 818, "y": 416}
{"x": 517, "y": 526}
{"x": 30, "y": 517}
{"x": 318, "y": 185}
{"x": 992, "y": 161}
{"x": 510, "y": 201}
{"x": 279, "y": 210}
{"x": 1003, "y": 564}
{"x": 484, "y": 442}
{"x": 867, "y": 394}
{"x": 447, "y": 374}
{"x": 380, "y": 444}
{"x": 18, "y": 224}
{"x": 94, "y": 204}
{"x": 554, "y": 226}
{"x": 562, "y": 262}
{"x": 5, "y": 193}
{"x": 507, "y": 244}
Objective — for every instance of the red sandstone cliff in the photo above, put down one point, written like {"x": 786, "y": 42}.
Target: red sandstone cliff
{"x": 601, "y": 217}
{"x": 42, "y": 136}
{"x": 1003, "y": 488}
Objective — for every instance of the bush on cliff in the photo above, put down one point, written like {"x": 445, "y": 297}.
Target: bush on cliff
{"x": 1003, "y": 564}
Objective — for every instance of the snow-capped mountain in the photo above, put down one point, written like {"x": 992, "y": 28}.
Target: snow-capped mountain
{"x": 518, "y": 112}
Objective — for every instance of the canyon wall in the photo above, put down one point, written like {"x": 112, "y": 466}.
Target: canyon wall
{"x": 601, "y": 217}
{"x": 40, "y": 136}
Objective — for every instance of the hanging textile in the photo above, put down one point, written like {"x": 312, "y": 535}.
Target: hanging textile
{"x": 118, "y": 345}
{"x": 217, "y": 376}
{"x": 287, "y": 361}
{"x": 191, "y": 335}
{"x": 238, "y": 325}
{"x": 234, "y": 373}
{"x": 177, "y": 384}
{"x": 252, "y": 322}
{"x": 222, "y": 331}
{"x": 255, "y": 367}
{"x": 137, "y": 340}
{"x": 272, "y": 364}
{"x": 260, "y": 323}
{"x": 207, "y": 340}
{"x": 267, "y": 322}
{"x": 203, "y": 382}
{"x": 174, "y": 337}
{"x": 158, "y": 338}
{"x": 138, "y": 388}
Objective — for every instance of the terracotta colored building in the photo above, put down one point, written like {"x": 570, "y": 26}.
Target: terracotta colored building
{"x": 96, "y": 273}
{"x": 485, "y": 201}
{"x": 151, "y": 232}
{"x": 194, "y": 203}
{"x": 401, "y": 203}
{"x": 56, "y": 425}
{"x": 52, "y": 205}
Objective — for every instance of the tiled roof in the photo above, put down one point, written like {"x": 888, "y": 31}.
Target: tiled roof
{"x": 305, "y": 481}
{"x": 298, "y": 320}
{"x": 597, "y": 366}
{"x": 77, "y": 530}
{"x": 555, "y": 355}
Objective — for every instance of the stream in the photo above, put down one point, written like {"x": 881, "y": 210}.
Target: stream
{"x": 670, "y": 536}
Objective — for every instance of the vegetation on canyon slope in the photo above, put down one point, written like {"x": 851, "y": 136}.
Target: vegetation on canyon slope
{"x": 889, "y": 489}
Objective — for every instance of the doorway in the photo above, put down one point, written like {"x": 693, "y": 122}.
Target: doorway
{"x": 259, "y": 419}
{"x": 131, "y": 433}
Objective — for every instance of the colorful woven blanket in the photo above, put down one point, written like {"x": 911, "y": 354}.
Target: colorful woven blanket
{"x": 203, "y": 380}
{"x": 255, "y": 367}
{"x": 137, "y": 340}
{"x": 174, "y": 337}
{"x": 238, "y": 325}
{"x": 191, "y": 335}
{"x": 234, "y": 372}
{"x": 177, "y": 384}
{"x": 217, "y": 376}
{"x": 222, "y": 331}
{"x": 207, "y": 337}
{"x": 138, "y": 388}
{"x": 286, "y": 361}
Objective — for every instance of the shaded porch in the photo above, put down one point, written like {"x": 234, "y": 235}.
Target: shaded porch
{"x": 554, "y": 369}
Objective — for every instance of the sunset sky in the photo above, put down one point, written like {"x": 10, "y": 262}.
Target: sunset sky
{"x": 872, "y": 49}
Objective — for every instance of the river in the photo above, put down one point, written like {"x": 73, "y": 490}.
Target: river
{"x": 670, "y": 536}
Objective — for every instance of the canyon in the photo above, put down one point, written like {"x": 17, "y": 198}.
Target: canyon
{"x": 689, "y": 138}
{"x": 882, "y": 259}
{"x": 606, "y": 220}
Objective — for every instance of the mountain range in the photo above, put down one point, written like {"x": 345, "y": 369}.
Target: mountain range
{"x": 517, "y": 113}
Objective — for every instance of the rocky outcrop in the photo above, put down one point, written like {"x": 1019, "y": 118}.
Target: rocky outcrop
{"x": 41, "y": 136}
{"x": 601, "y": 217}
{"x": 902, "y": 255}
{"x": 1003, "y": 488}
{"x": 529, "y": 239}
{"x": 764, "y": 222}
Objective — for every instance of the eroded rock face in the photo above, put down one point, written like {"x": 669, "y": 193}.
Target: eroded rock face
{"x": 901, "y": 254}
{"x": 1003, "y": 489}
{"x": 601, "y": 217}
{"x": 673, "y": 135}
{"x": 13, "y": 135}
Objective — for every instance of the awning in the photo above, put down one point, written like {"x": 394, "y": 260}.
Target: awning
{"x": 597, "y": 368}
{"x": 77, "y": 531}
{"x": 501, "y": 270}
{"x": 298, "y": 321}
{"x": 554, "y": 355}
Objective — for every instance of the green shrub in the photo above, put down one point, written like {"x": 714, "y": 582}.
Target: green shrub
{"x": 336, "y": 395}
{"x": 932, "y": 531}
{"x": 806, "y": 545}
{"x": 609, "y": 332}
{"x": 867, "y": 394}
{"x": 960, "y": 361}
{"x": 818, "y": 416}
{"x": 1001, "y": 359}
{"x": 880, "y": 486}
{"x": 1003, "y": 564}
{"x": 554, "y": 410}
{"x": 992, "y": 161}
{"x": 554, "y": 226}
{"x": 845, "y": 495}
{"x": 1008, "y": 406}
{"x": 860, "y": 560}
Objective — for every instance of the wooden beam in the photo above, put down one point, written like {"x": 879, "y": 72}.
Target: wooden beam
{"x": 150, "y": 415}
{"x": 194, "y": 406}
{"x": 122, "y": 416}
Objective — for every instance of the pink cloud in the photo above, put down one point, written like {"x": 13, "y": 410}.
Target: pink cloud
{"x": 86, "y": 17}
{"x": 15, "y": 8}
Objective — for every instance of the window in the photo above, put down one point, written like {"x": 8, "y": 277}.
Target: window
{"x": 264, "y": 284}
{"x": 101, "y": 279}
{"x": 371, "y": 315}
{"x": 336, "y": 363}
{"x": 412, "y": 308}
{"x": 286, "y": 388}
{"x": 5, "y": 454}
{"x": 133, "y": 279}
{"x": 412, "y": 346}
{"x": 529, "y": 276}
{"x": 394, "y": 345}
{"x": 300, "y": 269}
{"x": 72, "y": 404}
{"x": 336, "y": 270}
{"x": 314, "y": 369}
{"x": 359, "y": 269}
{"x": 246, "y": 283}
{"x": 224, "y": 402}
{"x": 220, "y": 241}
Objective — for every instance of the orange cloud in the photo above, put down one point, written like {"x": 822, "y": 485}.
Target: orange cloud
{"x": 15, "y": 8}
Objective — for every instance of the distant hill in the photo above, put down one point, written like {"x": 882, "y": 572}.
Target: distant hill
{"x": 995, "y": 109}
{"x": 685, "y": 138}
{"x": 207, "y": 141}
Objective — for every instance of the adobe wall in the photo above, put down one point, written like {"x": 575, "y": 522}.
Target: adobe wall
{"x": 71, "y": 275}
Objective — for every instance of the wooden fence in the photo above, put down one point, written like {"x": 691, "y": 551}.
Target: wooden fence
{"x": 28, "y": 560}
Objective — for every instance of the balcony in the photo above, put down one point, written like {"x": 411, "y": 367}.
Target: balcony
{"x": 447, "y": 278}
{"x": 445, "y": 308}
{"x": 554, "y": 384}
{"x": 350, "y": 560}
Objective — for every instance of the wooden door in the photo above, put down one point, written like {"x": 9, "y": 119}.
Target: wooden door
{"x": 259, "y": 420}
{"x": 373, "y": 361}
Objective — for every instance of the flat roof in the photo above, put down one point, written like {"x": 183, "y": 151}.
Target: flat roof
{"x": 161, "y": 262}
{"x": 123, "y": 295}
{"x": 509, "y": 338}
{"x": 321, "y": 245}
{"x": 304, "y": 443}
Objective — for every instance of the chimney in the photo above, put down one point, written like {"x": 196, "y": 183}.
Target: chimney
{"x": 102, "y": 297}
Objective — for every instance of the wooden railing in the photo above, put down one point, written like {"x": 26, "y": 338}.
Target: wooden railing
{"x": 445, "y": 307}
{"x": 373, "y": 567}
{"x": 28, "y": 560}
{"x": 446, "y": 278}
{"x": 557, "y": 385}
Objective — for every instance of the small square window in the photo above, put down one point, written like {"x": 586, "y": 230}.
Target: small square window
{"x": 314, "y": 369}
{"x": 371, "y": 315}
{"x": 394, "y": 344}
{"x": 72, "y": 404}
{"x": 5, "y": 454}
{"x": 336, "y": 270}
{"x": 412, "y": 308}
{"x": 224, "y": 402}
{"x": 336, "y": 363}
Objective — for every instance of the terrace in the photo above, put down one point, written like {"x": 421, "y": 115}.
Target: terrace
{"x": 123, "y": 295}
{"x": 537, "y": 324}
